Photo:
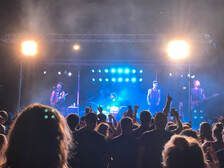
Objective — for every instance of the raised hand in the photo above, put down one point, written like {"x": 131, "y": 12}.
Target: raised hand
{"x": 100, "y": 109}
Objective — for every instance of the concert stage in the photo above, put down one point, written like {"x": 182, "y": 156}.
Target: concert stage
{"x": 115, "y": 71}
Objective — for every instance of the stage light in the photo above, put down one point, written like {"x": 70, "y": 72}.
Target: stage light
{"x": 127, "y": 79}
{"x": 141, "y": 71}
{"x": 140, "y": 79}
{"x": 107, "y": 80}
{"x": 181, "y": 75}
{"x": 93, "y": 79}
{"x": 113, "y": 70}
{"x": 76, "y": 47}
{"x": 100, "y": 79}
{"x": 113, "y": 79}
{"x": 69, "y": 74}
{"x": 127, "y": 71}
{"x": 133, "y": 80}
{"x": 170, "y": 74}
{"x": 29, "y": 48}
{"x": 45, "y": 72}
{"x": 120, "y": 70}
{"x": 106, "y": 70}
{"x": 192, "y": 76}
{"x": 59, "y": 72}
{"x": 92, "y": 70}
{"x": 178, "y": 49}
{"x": 120, "y": 79}
{"x": 99, "y": 71}
{"x": 133, "y": 71}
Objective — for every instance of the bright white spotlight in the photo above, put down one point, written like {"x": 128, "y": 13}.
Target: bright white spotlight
{"x": 59, "y": 72}
{"x": 140, "y": 79}
{"x": 93, "y": 79}
{"x": 170, "y": 74}
{"x": 100, "y": 79}
{"x": 29, "y": 48}
{"x": 69, "y": 74}
{"x": 45, "y": 72}
{"x": 141, "y": 71}
{"x": 76, "y": 47}
{"x": 178, "y": 49}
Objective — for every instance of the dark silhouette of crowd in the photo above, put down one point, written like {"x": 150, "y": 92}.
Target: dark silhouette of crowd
{"x": 40, "y": 137}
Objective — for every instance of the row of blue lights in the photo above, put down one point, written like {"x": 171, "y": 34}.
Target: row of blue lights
{"x": 117, "y": 70}
{"x": 120, "y": 79}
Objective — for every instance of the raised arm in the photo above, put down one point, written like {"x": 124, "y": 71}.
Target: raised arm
{"x": 166, "y": 109}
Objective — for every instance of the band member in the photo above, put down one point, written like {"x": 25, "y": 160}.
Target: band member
{"x": 197, "y": 95}
{"x": 153, "y": 97}
{"x": 58, "y": 97}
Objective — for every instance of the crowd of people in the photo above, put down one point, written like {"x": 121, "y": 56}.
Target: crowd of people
{"x": 40, "y": 137}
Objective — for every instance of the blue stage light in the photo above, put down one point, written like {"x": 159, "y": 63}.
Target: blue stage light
{"x": 99, "y": 71}
{"x": 133, "y": 80}
{"x": 107, "y": 80}
{"x": 127, "y": 71}
{"x": 140, "y": 79}
{"x": 133, "y": 71}
{"x": 106, "y": 70}
{"x": 113, "y": 70}
{"x": 141, "y": 71}
{"x": 93, "y": 79}
{"x": 113, "y": 79}
{"x": 100, "y": 79}
{"x": 120, "y": 79}
{"x": 120, "y": 70}
{"x": 92, "y": 70}
{"x": 127, "y": 79}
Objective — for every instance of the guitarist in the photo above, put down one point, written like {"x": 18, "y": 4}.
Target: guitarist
{"x": 197, "y": 95}
{"x": 58, "y": 97}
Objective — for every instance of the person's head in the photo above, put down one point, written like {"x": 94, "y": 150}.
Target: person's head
{"x": 189, "y": 133}
{"x": 91, "y": 120}
{"x": 73, "y": 121}
{"x": 155, "y": 84}
{"x": 197, "y": 83}
{"x": 205, "y": 131}
{"x": 88, "y": 110}
{"x": 3, "y": 116}
{"x": 59, "y": 86}
{"x": 102, "y": 117}
{"x": 38, "y": 137}
{"x": 145, "y": 117}
{"x": 160, "y": 121}
{"x": 217, "y": 131}
{"x": 103, "y": 128}
{"x": 183, "y": 152}
{"x": 126, "y": 125}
